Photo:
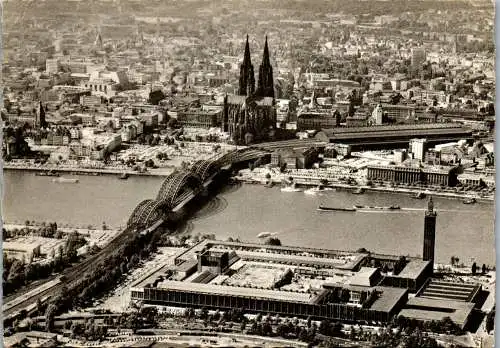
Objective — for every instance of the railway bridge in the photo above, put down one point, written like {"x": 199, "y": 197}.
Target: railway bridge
{"x": 177, "y": 189}
{"x": 182, "y": 186}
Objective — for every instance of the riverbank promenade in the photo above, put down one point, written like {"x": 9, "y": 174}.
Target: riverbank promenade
{"x": 90, "y": 171}
{"x": 311, "y": 180}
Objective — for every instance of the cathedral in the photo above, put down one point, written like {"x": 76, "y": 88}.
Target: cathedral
{"x": 250, "y": 116}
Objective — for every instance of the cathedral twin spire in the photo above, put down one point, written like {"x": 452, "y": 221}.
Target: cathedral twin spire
{"x": 247, "y": 79}
{"x": 265, "y": 85}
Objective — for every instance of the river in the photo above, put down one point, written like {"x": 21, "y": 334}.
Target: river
{"x": 466, "y": 231}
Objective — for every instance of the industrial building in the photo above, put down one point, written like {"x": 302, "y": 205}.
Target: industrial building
{"x": 394, "y": 136}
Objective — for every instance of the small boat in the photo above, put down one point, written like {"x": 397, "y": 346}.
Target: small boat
{"x": 264, "y": 235}
{"x": 269, "y": 184}
{"x": 314, "y": 190}
{"x": 49, "y": 173}
{"x": 124, "y": 176}
{"x": 291, "y": 188}
{"x": 364, "y": 207}
{"x": 419, "y": 195}
{"x": 359, "y": 191}
{"x": 323, "y": 208}
{"x": 65, "y": 180}
{"x": 471, "y": 200}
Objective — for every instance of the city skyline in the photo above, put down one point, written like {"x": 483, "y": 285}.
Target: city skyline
{"x": 240, "y": 173}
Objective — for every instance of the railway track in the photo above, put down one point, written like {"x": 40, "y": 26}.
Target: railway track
{"x": 69, "y": 276}
{"x": 15, "y": 304}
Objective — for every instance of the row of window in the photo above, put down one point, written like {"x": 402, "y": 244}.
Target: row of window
{"x": 100, "y": 88}
{"x": 330, "y": 311}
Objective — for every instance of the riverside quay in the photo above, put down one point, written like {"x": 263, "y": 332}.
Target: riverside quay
{"x": 290, "y": 281}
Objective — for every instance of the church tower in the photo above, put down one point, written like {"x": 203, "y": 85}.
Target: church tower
{"x": 265, "y": 87}
{"x": 98, "y": 40}
{"x": 429, "y": 232}
{"x": 247, "y": 78}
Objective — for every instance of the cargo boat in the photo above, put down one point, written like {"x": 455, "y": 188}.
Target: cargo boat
{"x": 265, "y": 234}
{"x": 323, "y": 208}
{"x": 364, "y": 207}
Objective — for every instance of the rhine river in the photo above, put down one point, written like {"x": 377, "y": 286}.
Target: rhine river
{"x": 466, "y": 231}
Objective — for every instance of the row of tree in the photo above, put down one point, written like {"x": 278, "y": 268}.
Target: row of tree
{"x": 90, "y": 330}
{"x": 444, "y": 326}
{"x": 104, "y": 276}
{"x": 17, "y": 273}
{"x": 44, "y": 230}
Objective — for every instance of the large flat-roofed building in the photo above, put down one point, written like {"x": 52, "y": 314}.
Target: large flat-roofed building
{"x": 427, "y": 309}
{"x": 395, "y": 136}
{"x": 294, "y": 158}
{"x": 199, "y": 118}
{"x": 317, "y": 120}
{"x": 439, "y": 299}
{"x": 21, "y": 250}
{"x": 413, "y": 174}
{"x": 292, "y": 281}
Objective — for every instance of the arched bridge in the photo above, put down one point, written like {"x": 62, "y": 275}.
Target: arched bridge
{"x": 178, "y": 186}
{"x": 205, "y": 168}
{"x": 146, "y": 213}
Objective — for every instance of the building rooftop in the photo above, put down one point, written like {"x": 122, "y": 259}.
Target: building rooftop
{"x": 435, "y": 309}
{"x": 381, "y": 132}
{"x": 364, "y": 276}
{"x": 413, "y": 269}
{"x": 388, "y": 298}
{"x": 237, "y": 291}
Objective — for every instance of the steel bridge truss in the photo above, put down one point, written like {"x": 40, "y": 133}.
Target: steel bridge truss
{"x": 204, "y": 169}
{"x": 172, "y": 189}
{"x": 146, "y": 213}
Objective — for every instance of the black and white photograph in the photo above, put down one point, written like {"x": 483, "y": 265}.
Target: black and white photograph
{"x": 248, "y": 173}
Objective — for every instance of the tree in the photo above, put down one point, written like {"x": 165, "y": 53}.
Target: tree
{"x": 267, "y": 329}
{"x": 324, "y": 327}
{"x": 172, "y": 123}
{"x": 483, "y": 269}
{"x": 204, "y": 313}
{"x": 50, "y": 313}
{"x": 474, "y": 268}
{"x": 156, "y": 96}
{"x": 39, "y": 305}
{"x": 273, "y": 241}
